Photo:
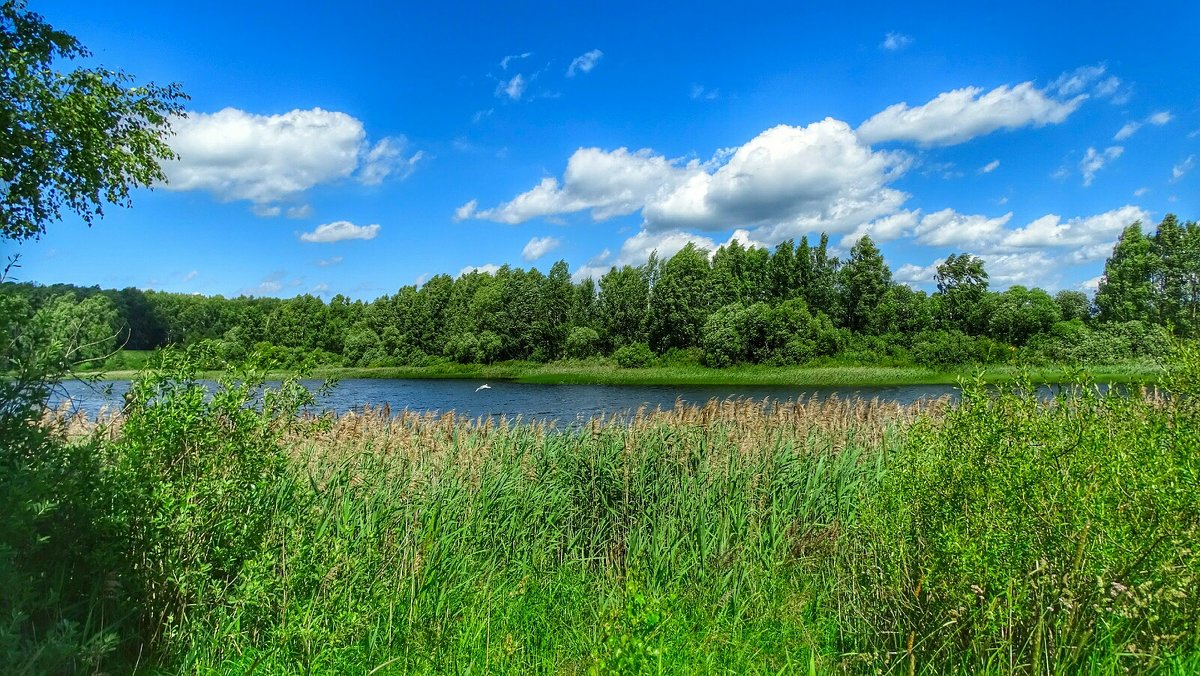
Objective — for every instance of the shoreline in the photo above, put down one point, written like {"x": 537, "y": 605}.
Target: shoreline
{"x": 821, "y": 376}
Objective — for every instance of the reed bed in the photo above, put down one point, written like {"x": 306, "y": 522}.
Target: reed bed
{"x": 1006, "y": 533}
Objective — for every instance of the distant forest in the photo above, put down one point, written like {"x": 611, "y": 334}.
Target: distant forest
{"x": 794, "y": 305}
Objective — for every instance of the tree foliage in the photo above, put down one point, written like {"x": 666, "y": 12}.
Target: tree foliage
{"x": 78, "y": 139}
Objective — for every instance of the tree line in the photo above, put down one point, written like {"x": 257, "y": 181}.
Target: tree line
{"x": 797, "y": 304}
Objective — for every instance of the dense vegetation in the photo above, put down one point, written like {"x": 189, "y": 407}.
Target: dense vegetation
{"x": 223, "y": 533}
{"x": 795, "y": 305}
{"x": 203, "y": 531}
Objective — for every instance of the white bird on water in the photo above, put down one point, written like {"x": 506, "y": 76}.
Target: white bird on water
{"x": 484, "y": 386}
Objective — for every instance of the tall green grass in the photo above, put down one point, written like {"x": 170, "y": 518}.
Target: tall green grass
{"x": 1006, "y": 534}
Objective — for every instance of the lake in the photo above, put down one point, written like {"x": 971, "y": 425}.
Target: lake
{"x": 563, "y": 404}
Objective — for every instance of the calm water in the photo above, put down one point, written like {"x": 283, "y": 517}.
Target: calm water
{"x": 563, "y": 404}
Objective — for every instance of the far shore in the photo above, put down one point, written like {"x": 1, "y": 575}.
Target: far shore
{"x": 819, "y": 376}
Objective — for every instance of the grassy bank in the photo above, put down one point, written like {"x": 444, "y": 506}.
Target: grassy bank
{"x": 1005, "y": 534}
{"x": 817, "y": 376}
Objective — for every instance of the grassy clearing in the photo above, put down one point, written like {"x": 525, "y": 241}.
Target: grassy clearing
{"x": 1007, "y": 533}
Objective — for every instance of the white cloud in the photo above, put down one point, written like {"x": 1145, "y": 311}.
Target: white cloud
{"x": 914, "y": 275}
{"x": 513, "y": 88}
{"x": 236, "y": 155}
{"x": 1091, "y": 285}
{"x": 1182, "y": 168}
{"x": 302, "y": 211}
{"x": 191, "y": 275}
{"x": 1086, "y": 234}
{"x": 319, "y": 289}
{"x": 1127, "y": 130}
{"x": 487, "y": 269}
{"x": 885, "y": 229}
{"x": 989, "y": 167}
{"x": 1027, "y": 269}
{"x": 538, "y": 247}
{"x": 1141, "y": 191}
{"x": 513, "y": 57}
{"x": 1160, "y": 118}
{"x": 702, "y": 93}
{"x": 962, "y": 114}
{"x": 328, "y": 262}
{"x": 385, "y": 158}
{"x": 466, "y": 211}
{"x": 950, "y": 228}
{"x": 637, "y": 249}
{"x": 896, "y": 41}
{"x": 1093, "y": 161}
{"x": 611, "y": 184}
{"x": 594, "y": 268}
{"x": 1091, "y": 80}
{"x": 584, "y": 63}
{"x": 481, "y": 114}
{"x": 266, "y": 210}
{"x": 339, "y": 231}
{"x": 1130, "y": 128}
{"x": 785, "y": 182}
{"x": 270, "y": 285}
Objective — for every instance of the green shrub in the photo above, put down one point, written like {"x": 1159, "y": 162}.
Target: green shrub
{"x": 634, "y": 355}
{"x": 1059, "y": 534}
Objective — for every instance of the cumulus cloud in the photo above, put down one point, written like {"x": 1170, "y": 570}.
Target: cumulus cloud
{"x": 1087, "y": 234}
{"x": 270, "y": 285}
{"x": 339, "y": 231}
{"x": 950, "y": 228}
{"x": 960, "y": 115}
{"x": 1027, "y": 269}
{"x": 1093, "y": 161}
{"x": 894, "y": 42}
{"x": 1178, "y": 171}
{"x": 486, "y": 268}
{"x": 989, "y": 167}
{"x": 914, "y": 275}
{"x": 584, "y": 63}
{"x": 538, "y": 247}
{"x": 884, "y": 229}
{"x": 264, "y": 159}
{"x": 785, "y": 181}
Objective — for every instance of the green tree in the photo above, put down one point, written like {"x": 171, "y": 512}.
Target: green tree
{"x": 84, "y": 329}
{"x": 679, "y": 303}
{"x": 1073, "y": 305}
{"x": 819, "y": 273}
{"x": 78, "y": 139}
{"x": 962, "y": 282}
{"x": 1018, "y": 314}
{"x": 865, "y": 281}
{"x": 1126, "y": 291}
{"x": 624, "y": 295}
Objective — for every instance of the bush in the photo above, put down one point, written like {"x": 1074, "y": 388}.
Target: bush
{"x": 1017, "y": 532}
{"x": 634, "y": 355}
{"x": 582, "y": 342}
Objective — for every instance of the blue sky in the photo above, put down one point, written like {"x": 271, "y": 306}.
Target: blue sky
{"x": 356, "y": 148}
